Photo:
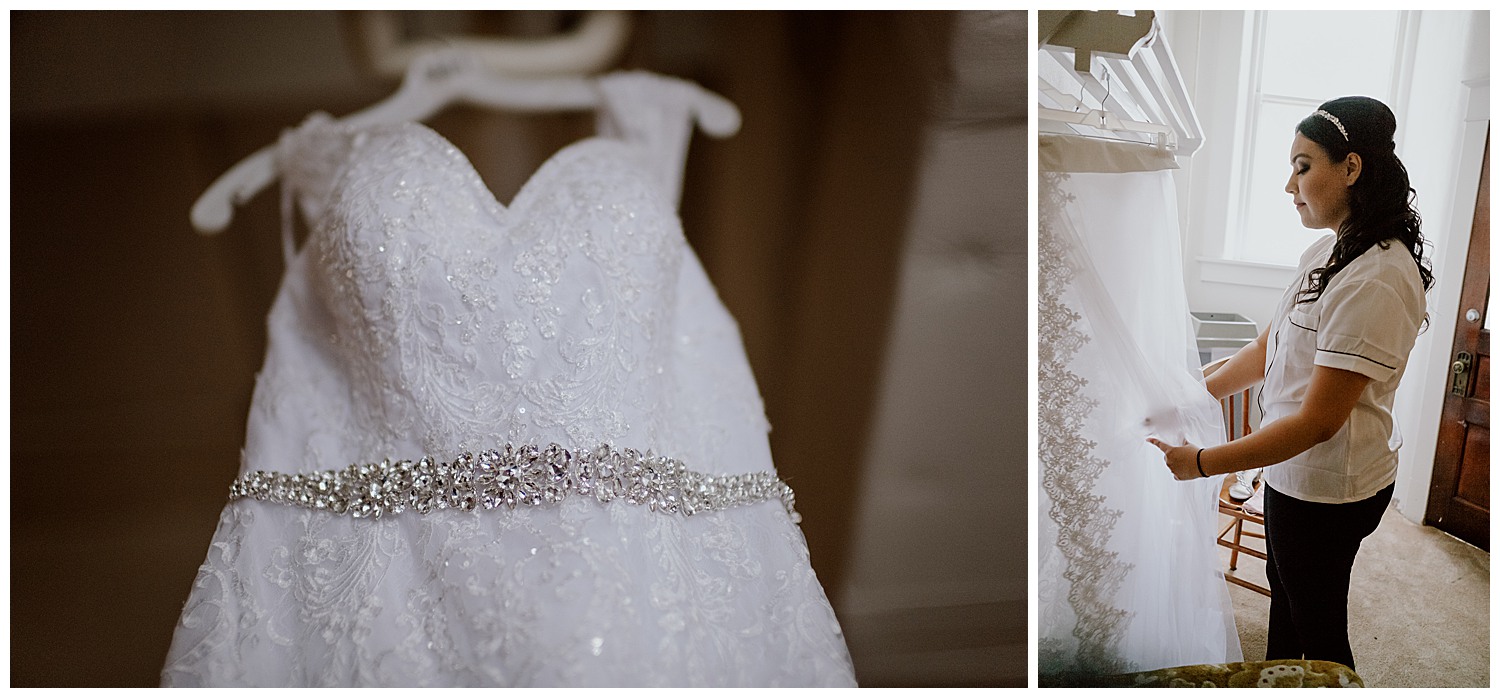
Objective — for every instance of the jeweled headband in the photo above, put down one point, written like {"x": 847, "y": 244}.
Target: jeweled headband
{"x": 1336, "y": 123}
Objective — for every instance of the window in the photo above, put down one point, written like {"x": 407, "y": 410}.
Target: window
{"x": 1299, "y": 60}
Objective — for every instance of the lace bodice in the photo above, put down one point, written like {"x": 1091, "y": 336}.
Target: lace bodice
{"x": 423, "y": 317}
{"x": 460, "y": 321}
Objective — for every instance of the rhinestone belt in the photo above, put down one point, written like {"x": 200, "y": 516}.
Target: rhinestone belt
{"x": 525, "y": 475}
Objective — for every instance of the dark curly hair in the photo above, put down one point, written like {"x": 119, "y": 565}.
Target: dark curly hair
{"x": 1382, "y": 203}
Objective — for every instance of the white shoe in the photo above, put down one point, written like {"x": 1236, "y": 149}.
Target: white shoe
{"x": 1256, "y": 504}
{"x": 1244, "y": 485}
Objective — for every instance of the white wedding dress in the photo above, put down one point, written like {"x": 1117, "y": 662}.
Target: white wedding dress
{"x": 424, "y": 318}
{"x": 1128, "y": 569}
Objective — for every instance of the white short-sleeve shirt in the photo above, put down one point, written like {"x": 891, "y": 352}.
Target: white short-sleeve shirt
{"x": 1365, "y": 321}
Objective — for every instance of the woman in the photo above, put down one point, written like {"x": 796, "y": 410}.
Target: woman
{"x": 1330, "y": 361}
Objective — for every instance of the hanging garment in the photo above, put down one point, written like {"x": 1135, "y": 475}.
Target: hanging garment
{"x": 1128, "y": 569}
{"x": 423, "y": 318}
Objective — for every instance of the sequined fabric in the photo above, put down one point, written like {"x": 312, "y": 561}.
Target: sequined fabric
{"x": 423, "y": 316}
{"x": 515, "y": 476}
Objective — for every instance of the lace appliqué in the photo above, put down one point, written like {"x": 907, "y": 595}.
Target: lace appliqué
{"x": 1069, "y": 470}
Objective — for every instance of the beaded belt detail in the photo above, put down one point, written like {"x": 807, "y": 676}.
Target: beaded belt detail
{"x": 525, "y": 475}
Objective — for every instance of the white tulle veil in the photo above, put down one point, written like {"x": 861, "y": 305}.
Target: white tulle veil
{"x": 1128, "y": 573}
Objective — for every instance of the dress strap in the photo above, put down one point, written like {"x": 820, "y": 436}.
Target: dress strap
{"x": 659, "y": 113}
{"x": 288, "y": 221}
{"x": 305, "y": 158}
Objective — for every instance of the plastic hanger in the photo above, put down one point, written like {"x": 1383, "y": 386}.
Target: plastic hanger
{"x": 1163, "y": 136}
{"x": 1104, "y": 118}
{"x": 593, "y": 45}
{"x": 434, "y": 81}
{"x": 1131, "y": 52}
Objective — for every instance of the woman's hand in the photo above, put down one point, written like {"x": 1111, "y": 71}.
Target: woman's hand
{"x": 1182, "y": 460}
{"x": 1330, "y": 398}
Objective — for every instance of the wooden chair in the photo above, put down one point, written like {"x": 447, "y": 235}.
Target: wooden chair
{"x": 1237, "y": 425}
{"x": 1236, "y": 527}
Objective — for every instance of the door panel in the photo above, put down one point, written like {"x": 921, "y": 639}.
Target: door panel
{"x": 1459, "y": 499}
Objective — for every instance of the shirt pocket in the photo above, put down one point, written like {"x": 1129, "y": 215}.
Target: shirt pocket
{"x": 1300, "y": 342}
{"x": 1302, "y": 319}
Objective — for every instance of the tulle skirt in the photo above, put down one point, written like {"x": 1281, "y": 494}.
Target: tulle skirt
{"x": 1128, "y": 568}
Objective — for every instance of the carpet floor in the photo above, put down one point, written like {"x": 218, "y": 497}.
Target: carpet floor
{"x": 1419, "y": 607}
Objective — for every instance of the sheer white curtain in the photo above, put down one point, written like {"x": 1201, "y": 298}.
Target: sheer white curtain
{"x": 1129, "y": 574}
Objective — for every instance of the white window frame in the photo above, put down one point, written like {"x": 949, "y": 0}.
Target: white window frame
{"x": 1253, "y": 96}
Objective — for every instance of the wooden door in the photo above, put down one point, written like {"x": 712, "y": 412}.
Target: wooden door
{"x": 1459, "y": 500}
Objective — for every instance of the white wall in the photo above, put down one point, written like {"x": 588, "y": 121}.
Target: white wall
{"x": 1441, "y": 139}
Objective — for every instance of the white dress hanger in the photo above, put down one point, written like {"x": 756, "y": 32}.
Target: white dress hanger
{"x": 593, "y": 45}
{"x": 1125, "y": 64}
{"x": 434, "y": 81}
{"x": 1163, "y": 136}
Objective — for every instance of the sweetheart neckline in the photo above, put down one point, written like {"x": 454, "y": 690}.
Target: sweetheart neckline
{"x": 505, "y": 211}
{"x": 467, "y": 163}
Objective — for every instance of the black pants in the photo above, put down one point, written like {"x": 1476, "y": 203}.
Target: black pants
{"x": 1310, "y": 551}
